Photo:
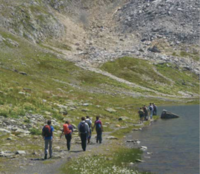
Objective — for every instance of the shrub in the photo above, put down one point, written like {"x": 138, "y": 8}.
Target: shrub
{"x": 4, "y": 110}
{"x": 35, "y": 131}
{"x": 28, "y": 106}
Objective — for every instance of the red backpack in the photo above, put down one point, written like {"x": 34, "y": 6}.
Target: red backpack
{"x": 47, "y": 132}
{"x": 66, "y": 129}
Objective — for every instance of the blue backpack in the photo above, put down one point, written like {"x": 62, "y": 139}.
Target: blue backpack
{"x": 98, "y": 125}
{"x": 82, "y": 128}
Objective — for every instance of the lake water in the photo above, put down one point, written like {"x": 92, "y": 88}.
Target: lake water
{"x": 174, "y": 143}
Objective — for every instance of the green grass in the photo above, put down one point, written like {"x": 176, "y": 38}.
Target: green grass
{"x": 184, "y": 80}
{"x": 116, "y": 161}
{"x": 194, "y": 56}
{"x": 35, "y": 131}
{"x": 142, "y": 72}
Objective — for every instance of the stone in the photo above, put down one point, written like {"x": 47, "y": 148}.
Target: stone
{"x": 23, "y": 73}
{"x": 137, "y": 129}
{"x": 139, "y": 160}
{"x": 86, "y": 104}
{"x": 154, "y": 49}
{"x": 9, "y": 138}
{"x": 167, "y": 115}
{"x": 47, "y": 113}
{"x": 111, "y": 110}
{"x": 4, "y": 130}
{"x": 143, "y": 148}
{"x": 22, "y": 93}
{"x": 112, "y": 138}
{"x": 6, "y": 154}
{"x": 131, "y": 164}
{"x": 20, "y": 152}
{"x": 133, "y": 141}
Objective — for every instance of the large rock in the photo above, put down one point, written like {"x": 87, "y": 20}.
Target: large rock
{"x": 166, "y": 115}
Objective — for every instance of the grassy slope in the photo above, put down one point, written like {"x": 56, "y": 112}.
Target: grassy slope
{"x": 141, "y": 72}
{"x": 59, "y": 81}
{"x": 52, "y": 79}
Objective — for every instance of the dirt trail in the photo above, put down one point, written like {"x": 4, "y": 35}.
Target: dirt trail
{"x": 60, "y": 157}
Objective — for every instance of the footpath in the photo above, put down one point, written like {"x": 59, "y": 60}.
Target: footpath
{"x": 60, "y": 157}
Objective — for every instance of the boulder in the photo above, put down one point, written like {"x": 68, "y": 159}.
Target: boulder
{"x": 166, "y": 115}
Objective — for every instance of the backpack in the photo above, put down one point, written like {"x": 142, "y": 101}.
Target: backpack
{"x": 98, "y": 125}
{"x": 89, "y": 123}
{"x": 66, "y": 129}
{"x": 141, "y": 112}
{"x": 150, "y": 108}
{"x": 82, "y": 128}
{"x": 47, "y": 132}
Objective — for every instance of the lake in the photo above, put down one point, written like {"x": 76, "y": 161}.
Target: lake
{"x": 174, "y": 143}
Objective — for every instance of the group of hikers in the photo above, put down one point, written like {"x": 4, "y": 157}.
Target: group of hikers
{"x": 147, "y": 113}
{"x": 85, "y": 129}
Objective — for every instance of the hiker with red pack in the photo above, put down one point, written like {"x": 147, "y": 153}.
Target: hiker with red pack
{"x": 83, "y": 129}
{"x": 47, "y": 133}
{"x": 67, "y": 130}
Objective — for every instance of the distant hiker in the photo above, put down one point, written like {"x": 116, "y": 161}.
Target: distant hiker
{"x": 89, "y": 122}
{"x": 83, "y": 129}
{"x": 154, "y": 109}
{"x": 141, "y": 114}
{"x": 67, "y": 130}
{"x": 99, "y": 129}
{"x": 145, "y": 112}
{"x": 151, "y": 110}
{"x": 47, "y": 133}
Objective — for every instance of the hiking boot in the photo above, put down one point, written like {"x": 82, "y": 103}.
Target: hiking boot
{"x": 45, "y": 157}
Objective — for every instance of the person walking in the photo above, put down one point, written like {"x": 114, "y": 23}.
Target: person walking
{"x": 83, "y": 129}
{"x": 47, "y": 134}
{"x": 141, "y": 114}
{"x": 151, "y": 110}
{"x": 89, "y": 122}
{"x": 145, "y": 112}
{"x": 154, "y": 109}
{"x": 99, "y": 129}
{"x": 67, "y": 130}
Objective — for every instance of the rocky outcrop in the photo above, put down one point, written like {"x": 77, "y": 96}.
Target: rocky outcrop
{"x": 175, "y": 20}
{"x": 166, "y": 115}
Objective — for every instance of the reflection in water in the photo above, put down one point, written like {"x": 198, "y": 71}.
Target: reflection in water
{"x": 174, "y": 142}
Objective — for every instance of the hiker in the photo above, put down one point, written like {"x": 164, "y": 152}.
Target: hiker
{"x": 89, "y": 122}
{"x": 99, "y": 129}
{"x": 141, "y": 114}
{"x": 154, "y": 109}
{"x": 145, "y": 112}
{"x": 47, "y": 133}
{"x": 83, "y": 129}
{"x": 151, "y": 110}
{"x": 67, "y": 130}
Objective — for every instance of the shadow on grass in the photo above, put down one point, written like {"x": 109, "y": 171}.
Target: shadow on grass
{"x": 76, "y": 151}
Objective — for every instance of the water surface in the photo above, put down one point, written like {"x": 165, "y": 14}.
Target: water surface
{"x": 174, "y": 143}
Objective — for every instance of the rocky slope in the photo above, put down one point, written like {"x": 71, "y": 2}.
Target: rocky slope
{"x": 101, "y": 30}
